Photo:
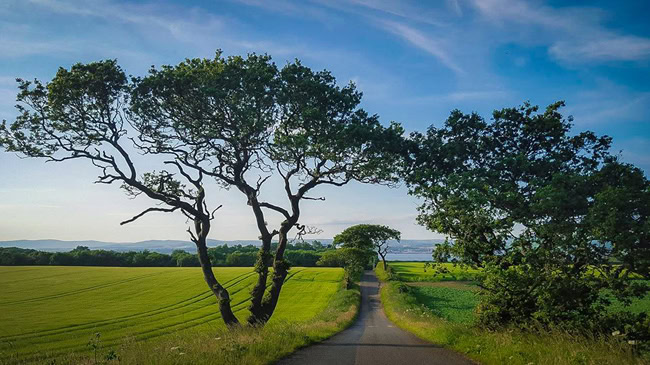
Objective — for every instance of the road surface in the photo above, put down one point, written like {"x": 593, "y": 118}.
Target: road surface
{"x": 373, "y": 340}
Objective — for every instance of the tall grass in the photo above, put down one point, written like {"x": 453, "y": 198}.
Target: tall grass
{"x": 500, "y": 347}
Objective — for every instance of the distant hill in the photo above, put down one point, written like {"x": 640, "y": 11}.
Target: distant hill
{"x": 162, "y": 246}
{"x": 167, "y": 246}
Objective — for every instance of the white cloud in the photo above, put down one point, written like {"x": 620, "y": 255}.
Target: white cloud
{"x": 618, "y": 48}
{"x": 186, "y": 27}
{"x": 608, "y": 103}
{"x": 400, "y": 9}
{"x": 573, "y": 35}
{"x": 434, "y": 47}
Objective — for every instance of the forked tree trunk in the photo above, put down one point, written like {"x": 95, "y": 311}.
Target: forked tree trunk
{"x": 280, "y": 271}
{"x": 383, "y": 259}
{"x": 257, "y": 294}
{"x": 223, "y": 297}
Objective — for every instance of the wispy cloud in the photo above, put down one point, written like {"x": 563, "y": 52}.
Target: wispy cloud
{"x": 401, "y": 9}
{"x": 428, "y": 44}
{"x": 616, "y": 48}
{"x": 575, "y": 35}
{"x": 191, "y": 24}
{"x": 608, "y": 103}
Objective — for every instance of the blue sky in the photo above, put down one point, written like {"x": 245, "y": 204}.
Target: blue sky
{"x": 414, "y": 61}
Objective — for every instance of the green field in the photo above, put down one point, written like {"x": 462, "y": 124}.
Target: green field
{"x": 56, "y": 310}
{"x": 416, "y": 272}
{"x": 454, "y": 298}
{"x": 452, "y": 303}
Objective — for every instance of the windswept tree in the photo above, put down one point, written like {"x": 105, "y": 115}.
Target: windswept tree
{"x": 244, "y": 121}
{"x": 369, "y": 237}
{"x": 555, "y": 220}
{"x": 83, "y": 114}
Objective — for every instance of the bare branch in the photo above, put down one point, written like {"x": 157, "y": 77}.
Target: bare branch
{"x": 276, "y": 208}
{"x": 322, "y": 198}
{"x": 168, "y": 210}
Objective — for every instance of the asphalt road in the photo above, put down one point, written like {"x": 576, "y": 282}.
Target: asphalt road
{"x": 373, "y": 340}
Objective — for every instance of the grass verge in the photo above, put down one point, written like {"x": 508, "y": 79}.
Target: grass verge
{"x": 497, "y": 347}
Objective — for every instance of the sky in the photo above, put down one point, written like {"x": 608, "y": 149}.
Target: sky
{"x": 413, "y": 61}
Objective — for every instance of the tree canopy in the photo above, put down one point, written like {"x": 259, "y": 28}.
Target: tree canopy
{"x": 372, "y": 237}
{"x": 237, "y": 121}
{"x": 245, "y": 121}
{"x": 554, "y": 218}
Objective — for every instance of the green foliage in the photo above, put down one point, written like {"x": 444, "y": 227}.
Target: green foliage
{"x": 353, "y": 260}
{"x": 331, "y": 258}
{"x": 368, "y": 237}
{"x": 420, "y": 313}
{"x": 224, "y": 119}
{"x": 63, "y": 307}
{"x": 553, "y": 218}
{"x": 224, "y": 255}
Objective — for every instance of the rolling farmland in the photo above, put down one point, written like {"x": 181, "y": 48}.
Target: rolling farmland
{"x": 54, "y": 310}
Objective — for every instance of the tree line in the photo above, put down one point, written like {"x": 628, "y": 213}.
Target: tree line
{"x": 298, "y": 254}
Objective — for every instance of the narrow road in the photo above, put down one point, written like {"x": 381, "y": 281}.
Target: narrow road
{"x": 373, "y": 340}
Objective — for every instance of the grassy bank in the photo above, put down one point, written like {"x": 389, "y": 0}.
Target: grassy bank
{"x": 180, "y": 326}
{"x": 407, "y": 307}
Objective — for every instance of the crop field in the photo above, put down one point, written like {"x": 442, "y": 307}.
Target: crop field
{"x": 416, "y": 272}
{"x": 452, "y": 303}
{"x": 55, "y": 310}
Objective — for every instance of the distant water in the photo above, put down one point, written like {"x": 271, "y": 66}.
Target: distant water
{"x": 408, "y": 257}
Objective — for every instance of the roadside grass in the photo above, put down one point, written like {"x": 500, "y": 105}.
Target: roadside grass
{"x": 432, "y": 313}
{"x": 141, "y": 310}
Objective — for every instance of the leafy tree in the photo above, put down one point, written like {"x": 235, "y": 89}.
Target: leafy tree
{"x": 553, "y": 218}
{"x": 83, "y": 114}
{"x": 240, "y": 121}
{"x": 331, "y": 258}
{"x": 245, "y": 121}
{"x": 241, "y": 259}
{"x": 368, "y": 237}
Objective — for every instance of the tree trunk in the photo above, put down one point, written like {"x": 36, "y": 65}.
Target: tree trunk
{"x": 280, "y": 271}
{"x": 383, "y": 259}
{"x": 223, "y": 298}
{"x": 257, "y": 294}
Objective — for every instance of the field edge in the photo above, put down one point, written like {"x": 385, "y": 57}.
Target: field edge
{"x": 495, "y": 347}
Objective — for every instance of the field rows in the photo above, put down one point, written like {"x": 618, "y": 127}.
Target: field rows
{"x": 58, "y": 309}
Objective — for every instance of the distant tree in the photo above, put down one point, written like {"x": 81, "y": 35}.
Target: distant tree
{"x": 238, "y": 258}
{"x": 249, "y": 122}
{"x": 368, "y": 236}
{"x": 302, "y": 257}
{"x": 553, "y": 218}
{"x": 83, "y": 114}
{"x": 331, "y": 258}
